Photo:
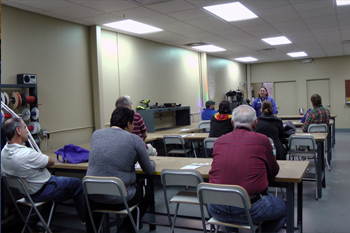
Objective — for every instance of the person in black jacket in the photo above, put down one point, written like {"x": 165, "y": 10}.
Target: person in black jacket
{"x": 220, "y": 123}
{"x": 272, "y": 127}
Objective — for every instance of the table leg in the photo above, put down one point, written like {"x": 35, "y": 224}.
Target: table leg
{"x": 329, "y": 148}
{"x": 152, "y": 208}
{"x": 300, "y": 207}
{"x": 290, "y": 207}
{"x": 333, "y": 132}
{"x": 320, "y": 167}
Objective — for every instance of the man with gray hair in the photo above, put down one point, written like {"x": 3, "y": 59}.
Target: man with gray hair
{"x": 245, "y": 158}
{"x": 139, "y": 126}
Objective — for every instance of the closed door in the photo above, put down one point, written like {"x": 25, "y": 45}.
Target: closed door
{"x": 283, "y": 93}
{"x": 321, "y": 87}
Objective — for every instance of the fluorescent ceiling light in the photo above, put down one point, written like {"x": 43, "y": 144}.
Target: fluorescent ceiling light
{"x": 246, "y": 59}
{"x": 209, "y": 48}
{"x": 277, "y": 40}
{"x": 342, "y": 2}
{"x": 133, "y": 26}
{"x": 231, "y": 11}
{"x": 297, "y": 54}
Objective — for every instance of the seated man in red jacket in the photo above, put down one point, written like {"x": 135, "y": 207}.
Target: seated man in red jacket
{"x": 245, "y": 158}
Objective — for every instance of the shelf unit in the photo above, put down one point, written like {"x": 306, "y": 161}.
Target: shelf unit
{"x": 32, "y": 88}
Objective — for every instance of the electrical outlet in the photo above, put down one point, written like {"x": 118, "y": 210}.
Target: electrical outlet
{"x": 44, "y": 133}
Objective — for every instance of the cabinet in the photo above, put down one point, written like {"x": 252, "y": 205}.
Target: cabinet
{"x": 32, "y": 89}
{"x": 182, "y": 116}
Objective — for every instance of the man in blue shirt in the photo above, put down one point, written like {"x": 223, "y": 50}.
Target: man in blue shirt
{"x": 263, "y": 95}
{"x": 209, "y": 111}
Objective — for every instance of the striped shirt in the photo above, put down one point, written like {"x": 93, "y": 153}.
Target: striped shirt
{"x": 318, "y": 115}
{"x": 243, "y": 157}
{"x": 139, "y": 125}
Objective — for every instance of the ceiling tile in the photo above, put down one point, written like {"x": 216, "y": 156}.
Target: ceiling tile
{"x": 171, "y": 6}
{"x": 189, "y": 14}
{"x": 135, "y": 13}
{"x": 107, "y": 6}
{"x": 156, "y": 20}
{"x": 77, "y": 12}
{"x": 102, "y": 19}
{"x": 181, "y": 28}
{"x": 209, "y": 23}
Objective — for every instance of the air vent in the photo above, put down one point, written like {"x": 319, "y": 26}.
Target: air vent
{"x": 196, "y": 44}
{"x": 346, "y": 41}
{"x": 268, "y": 49}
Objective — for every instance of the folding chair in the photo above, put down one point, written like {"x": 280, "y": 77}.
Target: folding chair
{"x": 176, "y": 140}
{"x": 108, "y": 186}
{"x": 203, "y": 125}
{"x": 307, "y": 141}
{"x": 22, "y": 186}
{"x": 231, "y": 195}
{"x": 208, "y": 144}
{"x": 183, "y": 178}
{"x": 320, "y": 128}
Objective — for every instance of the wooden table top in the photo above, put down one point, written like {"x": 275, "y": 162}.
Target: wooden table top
{"x": 285, "y": 117}
{"x": 299, "y": 124}
{"x": 290, "y": 171}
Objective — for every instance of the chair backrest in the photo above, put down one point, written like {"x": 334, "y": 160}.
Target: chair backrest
{"x": 209, "y": 143}
{"x": 273, "y": 146}
{"x": 17, "y": 183}
{"x": 203, "y": 125}
{"x": 302, "y": 140}
{"x": 173, "y": 139}
{"x": 174, "y": 177}
{"x": 321, "y": 128}
{"x": 104, "y": 185}
{"x": 232, "y": 195}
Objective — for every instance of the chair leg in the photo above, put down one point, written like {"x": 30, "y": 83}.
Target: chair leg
{"x": 173, "y": 223}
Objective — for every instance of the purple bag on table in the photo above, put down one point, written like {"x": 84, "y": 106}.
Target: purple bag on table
{"x": 72, "y": 154}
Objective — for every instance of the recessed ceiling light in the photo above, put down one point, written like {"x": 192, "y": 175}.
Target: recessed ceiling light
{"x": 342, "y": 2}
{"x": 297, "y": 54}
{"x": 209, "y": 48}
{"x": 133, "y": 26}
{"x": 246, "y": 59}
{"x": 277, "y": 40}
{"x": 231, "y": 11}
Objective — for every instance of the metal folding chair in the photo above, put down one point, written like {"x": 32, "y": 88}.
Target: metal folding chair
{"x": 231, "y": 195}
{"x": 176, "y": 140}
{"x": 320, "y": 128}
{"x": 181, "y": 178}
{"x": 22, "y": 186}
{"x": 203, "y": 125}
{"x": 308, "y": 142}
{"x": 108, "y": 186}
{"x": 208, "y": 144}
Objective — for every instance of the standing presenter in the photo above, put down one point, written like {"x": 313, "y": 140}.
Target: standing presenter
{"x": 263, "y": 95}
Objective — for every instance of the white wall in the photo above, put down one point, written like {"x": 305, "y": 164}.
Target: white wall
{"x": 336, "y": 69}
{"x": 222, "y": 76}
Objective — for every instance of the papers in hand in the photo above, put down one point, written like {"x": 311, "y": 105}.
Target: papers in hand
{"x": 137, "y": 165}
{"x": 195, "y": 165}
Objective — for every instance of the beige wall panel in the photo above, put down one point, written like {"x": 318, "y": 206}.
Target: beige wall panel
{"x": 158, "y": 72}
{"x": 223, "y": 76}
{"x": 320, "y": 87}
{"x": 58, "y": 52}
{"x": 286, "y": 106}
{"x": 336, "y": 69}
{"x": 110, "y": 72}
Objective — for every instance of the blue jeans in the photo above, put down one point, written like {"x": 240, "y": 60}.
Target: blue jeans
{"x": 270, "y": 210}
{"x": 61, "y": 189}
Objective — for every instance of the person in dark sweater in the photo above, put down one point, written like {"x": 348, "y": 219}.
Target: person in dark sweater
{"x": 114, "y": 152}
{"x": 220, "y": 123}
{"x": 272, "y": 126}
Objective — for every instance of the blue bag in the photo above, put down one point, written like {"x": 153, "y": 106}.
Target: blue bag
{"x": 72, "y": 154}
